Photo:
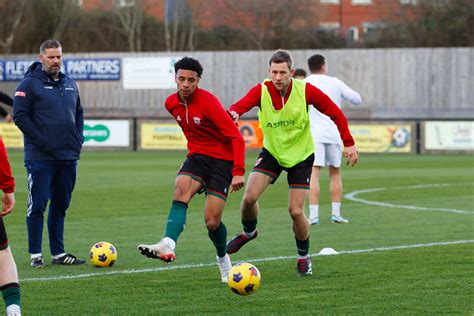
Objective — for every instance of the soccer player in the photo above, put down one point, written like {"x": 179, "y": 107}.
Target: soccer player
{"x": 8, "y": 273}
{"x": 283, "y": 115}
{"x": 215, "y": 161}
{"x": 327, "y": 141}
{"x": 5, "y": 98}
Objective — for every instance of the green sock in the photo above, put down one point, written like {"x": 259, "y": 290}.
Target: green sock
{"x": 11, "y": 294}
{"x": 219, "y": 239}
{"x": 249, "y": 226}
{"x": 176, "y": 220}
{"x": 303, "y": 247}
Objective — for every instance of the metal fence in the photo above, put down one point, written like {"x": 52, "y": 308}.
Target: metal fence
{"x": 394, "y": 83}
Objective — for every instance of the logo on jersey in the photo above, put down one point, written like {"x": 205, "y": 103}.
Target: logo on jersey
{"x": 280, "y": 124}
{"x": 197, "y": 120}
{"x": 48, "y": 87}
{"x": 259, "y": 160}
{"x": 20, "y": 94}
{"x": 178, "y": 118}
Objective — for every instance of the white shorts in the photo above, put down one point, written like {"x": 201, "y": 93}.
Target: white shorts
{"x": 327, "y": 155}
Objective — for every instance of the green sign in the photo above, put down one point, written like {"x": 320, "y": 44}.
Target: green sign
{"x": 99, "y": 133}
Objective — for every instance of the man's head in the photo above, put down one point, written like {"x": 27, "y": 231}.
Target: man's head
{"x": 50, "y": 56}
{"x": 317, "y": 64}
{"x": 299, "y": 73}
{"x": 280, "y": 69}
{"x": 188, "y": 71}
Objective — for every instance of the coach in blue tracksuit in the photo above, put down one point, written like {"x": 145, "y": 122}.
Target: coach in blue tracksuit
{"x": 47, "y": 109}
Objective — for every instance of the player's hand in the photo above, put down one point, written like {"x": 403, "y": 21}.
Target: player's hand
{"x": 237, "y": 183}
{"x": 234, "y": 116}
{"x": 351, "y": 154}
{"x": 8, "y": 201}
{"x": 8, "y": 118}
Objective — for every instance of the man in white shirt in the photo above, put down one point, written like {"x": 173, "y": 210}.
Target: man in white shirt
{"x": 327, "y": 141}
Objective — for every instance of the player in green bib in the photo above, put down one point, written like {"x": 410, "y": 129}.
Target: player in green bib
{"x": 287, "y": 145}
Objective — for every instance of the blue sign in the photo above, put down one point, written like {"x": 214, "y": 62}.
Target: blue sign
{"x": 77, "y": 69}
{"x": 93, "y": 69}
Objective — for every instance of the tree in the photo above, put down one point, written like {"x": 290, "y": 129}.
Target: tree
{"x": 11, "y": 14}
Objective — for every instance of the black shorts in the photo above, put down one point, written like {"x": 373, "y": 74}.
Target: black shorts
{"x": 3, "y": 236}
{"x": 214, "y": 174}
{"x": 298, "y": 176}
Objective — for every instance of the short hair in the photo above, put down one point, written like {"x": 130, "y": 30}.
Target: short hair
{"x": 281, "y": 56}
{"x": 299, "y": 72}
{"x": 51, "y": 43}
{"x": 188, "y": 63}
{"x": 316, "y": 62}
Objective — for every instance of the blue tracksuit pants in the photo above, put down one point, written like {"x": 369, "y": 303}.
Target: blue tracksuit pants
{"x": 53, "y": 182}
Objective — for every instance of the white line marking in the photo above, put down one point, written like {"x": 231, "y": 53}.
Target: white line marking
{"x": 205, "y": 265}
{"x": 352, "y": 196}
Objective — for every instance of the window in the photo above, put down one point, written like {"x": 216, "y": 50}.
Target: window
{"x": 124, "y": 3}
{"x": 330, "y": 1}
{"x": 412, "y": 2}
{"x": 363, "y": 2}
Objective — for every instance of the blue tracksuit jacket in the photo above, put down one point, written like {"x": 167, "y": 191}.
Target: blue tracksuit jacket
{"x": 50, "y": 115}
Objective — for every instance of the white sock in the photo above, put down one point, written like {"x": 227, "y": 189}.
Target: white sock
{"x": 35, "y": 255}
{"x": 313, "y": 211}
{"x": 13, "y": 310}
{"x": 58, "y": 256}
{"x": 170, "y": 242}
{"x": 336, "y": 208}
{"x": 301, "y": 257}
{"x": 249, "y": 235}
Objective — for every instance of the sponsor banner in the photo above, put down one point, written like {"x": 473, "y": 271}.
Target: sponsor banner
{"x": 449, "y": 135}
{"x": 382, "y": 138}
{"x": 93, "y": 68}
{"x": 162, "y": 136}
{"x": 149, "y": 72}
{"x": 252, "y": 134}
{"x": 14, "y": 70}
{"x": 106, "y": 133}
{"x": 12, "y": 136}
{"x": 78, "y": 69}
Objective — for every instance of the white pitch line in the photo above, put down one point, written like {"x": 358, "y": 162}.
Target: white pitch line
{"x": 205, "y": 265}
{"x": 352, "y": 196}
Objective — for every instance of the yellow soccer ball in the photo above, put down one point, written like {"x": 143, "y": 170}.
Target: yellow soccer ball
{"x": 103, "y": 254}
{"x": 244, "y": 279}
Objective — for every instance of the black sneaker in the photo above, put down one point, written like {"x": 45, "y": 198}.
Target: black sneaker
{"x": 68, "y": 259}
{"x": 304, "y": 267}
{"x": 238, "y": 241}
{"x": 38, "y": 262}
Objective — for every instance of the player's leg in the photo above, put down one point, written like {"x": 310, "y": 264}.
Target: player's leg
{"x": 264, "y": 173}
{"x": 334, "y": 152}
{"x": 298, "y": 181}
{"x": 62, "y": 186}
{"x": 188, "y": 183}
{"x": 39, "y": 177}
{"x": 314, "y": 191}
{"x": 8, "y": 275}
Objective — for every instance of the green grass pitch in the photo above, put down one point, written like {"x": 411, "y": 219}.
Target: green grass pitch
{"x": 392, "y": 259}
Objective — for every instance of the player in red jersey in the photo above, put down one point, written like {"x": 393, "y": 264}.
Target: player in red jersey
{"x": 215, "y": 161}
{"x": 8, "y": 273}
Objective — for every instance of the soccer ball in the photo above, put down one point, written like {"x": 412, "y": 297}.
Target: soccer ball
{"x": 244, "y": 279}
{"x": 103, "y": 254}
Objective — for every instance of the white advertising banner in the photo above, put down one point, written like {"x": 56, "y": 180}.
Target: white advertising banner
{"x": 449, "y": 135}
{"x": 148, "y": 72}
{"x": 106, "y": 133}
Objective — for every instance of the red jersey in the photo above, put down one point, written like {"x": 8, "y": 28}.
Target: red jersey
{"x": 314, "y": 96}
{"x": 208, "y": 128}
{"x": 7, "y": 183}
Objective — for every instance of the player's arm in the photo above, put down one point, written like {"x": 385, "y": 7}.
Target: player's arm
{"x": 227, "y": 128}
{"x": 5, "y": 98}
{"x": 22, "y": 109}
{"x": 324, "y": 105}
{"x": 251, "y": 99}
{"x": 7, "y": 182}
{"x": 349, "y": 94}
